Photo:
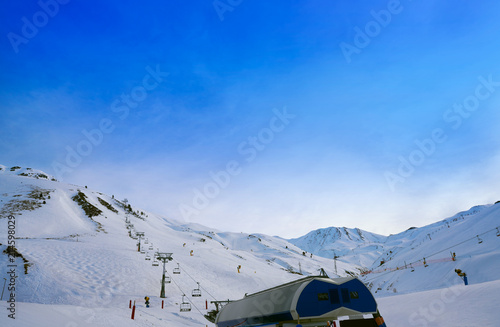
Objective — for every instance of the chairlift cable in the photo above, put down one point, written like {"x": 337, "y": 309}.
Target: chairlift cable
{"x": 184, "y": 270}
{"x": 429, "y": 256}
{"x": 474, "y": 237}
{"x": 187, "y": 297}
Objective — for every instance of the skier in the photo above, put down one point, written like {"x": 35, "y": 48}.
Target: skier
{"x": 147, "y": 301}
{"x": 463, "y": 275}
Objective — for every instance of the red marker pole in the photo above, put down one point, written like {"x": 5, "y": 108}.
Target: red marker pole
{"x": 206, "y": 304}
{"x": 162, "y": 304}
{"x": 130, "y": 304}
{"x": 133, "y": 311}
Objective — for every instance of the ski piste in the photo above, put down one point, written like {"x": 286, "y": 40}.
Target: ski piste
{"x": 85, "y": 269}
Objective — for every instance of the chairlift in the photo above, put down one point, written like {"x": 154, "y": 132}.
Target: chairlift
{"x": 143, "y": 251}
{"x": 147, "y": 257}
{"x": 196, "y": 291}
{"x": 155, "y": 263}
{"x": 146, "y": 241}
{"x": 168, "y": 280}
{"x": 498, "y": 232}
{"x": 479, "y": 240}
{"x": 185, "y": 306}
{"x": 151, "y": 247}
{"x": 177, "y": 270}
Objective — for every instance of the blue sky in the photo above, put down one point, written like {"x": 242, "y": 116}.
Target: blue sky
{"x": 259, "y": 116}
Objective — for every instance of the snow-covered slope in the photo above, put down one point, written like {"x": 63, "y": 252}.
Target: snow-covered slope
{"x": 474, "y": 237}
{"x": 395, "y": 263}
{"x": 26, "y": 172}
{"x": 475, "y": 305}
{"x": 77, "y": 250}
{"x": 80, "y": 265}
{"x": 458, "y": 305}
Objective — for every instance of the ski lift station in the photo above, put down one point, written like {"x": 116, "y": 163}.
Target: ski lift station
{"x": 311, "y": 301}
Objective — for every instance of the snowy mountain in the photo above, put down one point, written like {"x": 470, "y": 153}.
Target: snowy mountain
{"x": 76, "y": 247}
{"x": 422, "y": 258}
{"x": 395, "y": 263}
{"x": 77, "y": 259}
{"x": 350, "y": 245}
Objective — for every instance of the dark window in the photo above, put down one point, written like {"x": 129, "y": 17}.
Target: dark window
{"x": 345, "y": 295}
{"x": 354, "y": 295}
{"x": 322, "y": 296}
{"x": 334, "y": 296}
{"x": 358, "y": 323}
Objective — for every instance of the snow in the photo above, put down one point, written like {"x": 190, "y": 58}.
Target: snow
{"x": 84, "y": 264}
{"x": 479, "y": 256}
{"x": 84, "y": 271}
{"x": 458, "y": 305}
{"x": 473, "y": 305}
{"x": 352, "y": 245}
{"x": 435, "y": 243}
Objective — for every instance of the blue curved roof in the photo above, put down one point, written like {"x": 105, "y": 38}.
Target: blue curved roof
{"x": 310, "y": 298}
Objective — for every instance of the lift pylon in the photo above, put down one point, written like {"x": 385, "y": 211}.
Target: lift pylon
{"x": 165, "y": 257}
{"x": 139, "y": 235}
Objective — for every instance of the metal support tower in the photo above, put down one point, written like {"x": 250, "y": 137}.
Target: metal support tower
{"x": 139, "y": 234}
{"x": 163, "y": 257}
{"x": 335, "y": 261}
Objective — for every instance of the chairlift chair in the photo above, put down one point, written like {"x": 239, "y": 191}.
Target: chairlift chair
{"x": 196, "y": 291}
{"x": 155, "y": 263}
{"x": 479, "y": 240}
{"x": 143, "y": 251}
{"x": 185, "y": 306}
{"x": 146, "y": 241}
{"x": 168, "y": 280}
{"x": 147, "y": 257}
{"x": 498, "y": 232}
{"x": 177, "y": 270}
{"x": 151, "y": 247}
